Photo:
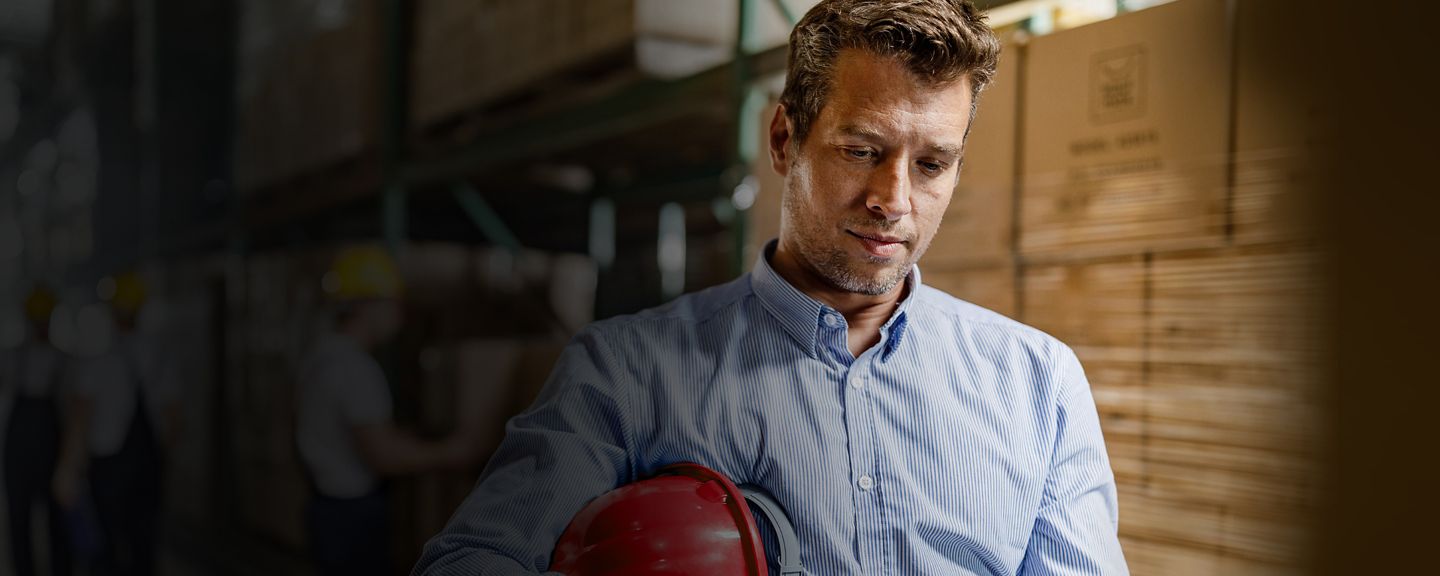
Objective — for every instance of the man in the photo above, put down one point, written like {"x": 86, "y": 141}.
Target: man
{"x": 32, "y": 440}
{"x": 123, "y": 416}
{"x": 345, "y": 429}
{"x": 904, "y": 431}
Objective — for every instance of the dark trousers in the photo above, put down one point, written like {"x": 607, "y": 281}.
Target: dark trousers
{"x": 349, "y": 536}
{"x": 31, "y": 443}
{"x": 126, "y": 489}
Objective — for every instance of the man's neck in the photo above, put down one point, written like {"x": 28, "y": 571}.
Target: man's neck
{"x": 864, "y": 313}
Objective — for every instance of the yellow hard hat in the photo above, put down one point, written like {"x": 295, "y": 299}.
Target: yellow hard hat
{"x": 129, "y": 292}
{"x": 39, "y": 304}
{"x": 362, "y": 273}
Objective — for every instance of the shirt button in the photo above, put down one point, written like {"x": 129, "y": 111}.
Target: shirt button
{"x": 866, "y": 482}
{"x": 857, "y": 382}
{"x": 831, "y": 321}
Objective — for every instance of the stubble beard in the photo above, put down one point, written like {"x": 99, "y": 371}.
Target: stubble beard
{"x": 829, "y": 260}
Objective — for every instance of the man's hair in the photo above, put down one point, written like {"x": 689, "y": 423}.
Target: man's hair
{"x": 939, "y": 41}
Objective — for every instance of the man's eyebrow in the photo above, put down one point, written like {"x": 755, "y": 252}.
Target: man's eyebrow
{"x": 949, "y": 150}
{"x": 860, "y": 131}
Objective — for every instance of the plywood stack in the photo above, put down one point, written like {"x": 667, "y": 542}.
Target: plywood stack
{"x": 1160, "y": 236}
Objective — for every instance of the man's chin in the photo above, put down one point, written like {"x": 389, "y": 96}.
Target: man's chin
{"x": 868, "y": 280}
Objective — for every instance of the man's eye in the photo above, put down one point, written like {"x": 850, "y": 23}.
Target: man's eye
{"x": 859, "y": 153}
{"x": 932, "y": 166}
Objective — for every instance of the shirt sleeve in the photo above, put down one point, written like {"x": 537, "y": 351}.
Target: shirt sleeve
{"x": 1076, "y": 528}
{"x": 572, "y": 445}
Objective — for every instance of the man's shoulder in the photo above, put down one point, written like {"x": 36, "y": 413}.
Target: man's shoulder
{"x": 687, "y": 311}
{"x": 941, "y": 307}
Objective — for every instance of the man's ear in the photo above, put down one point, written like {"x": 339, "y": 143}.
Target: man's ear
{"x": 781, "y": 133}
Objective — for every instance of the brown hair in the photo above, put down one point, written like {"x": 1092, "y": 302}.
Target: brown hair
{"x": 940, "y": 41}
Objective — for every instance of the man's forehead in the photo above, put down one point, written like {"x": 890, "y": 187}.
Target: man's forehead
{"x": 943, "y": 130}
{"x": 873, "y": 95}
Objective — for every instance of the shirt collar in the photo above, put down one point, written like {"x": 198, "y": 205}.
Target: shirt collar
{"x": 800, "y": 315}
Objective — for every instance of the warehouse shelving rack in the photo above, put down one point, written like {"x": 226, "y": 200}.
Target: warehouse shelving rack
{"x": 393, "y": 174}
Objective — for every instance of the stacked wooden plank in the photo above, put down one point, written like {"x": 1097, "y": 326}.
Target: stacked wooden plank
{"x": 1161, "y": 184}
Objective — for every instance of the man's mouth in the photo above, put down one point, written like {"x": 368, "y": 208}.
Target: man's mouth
{"x": 879, "y": 245}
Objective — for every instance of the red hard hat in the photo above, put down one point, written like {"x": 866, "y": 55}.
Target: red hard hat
{"x": 687, "y": 520}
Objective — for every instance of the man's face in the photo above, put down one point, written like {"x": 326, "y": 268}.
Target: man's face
{"x": 867, "y": 189}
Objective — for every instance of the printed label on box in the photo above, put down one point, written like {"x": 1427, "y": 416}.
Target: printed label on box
{"x": 1117, "y": 85}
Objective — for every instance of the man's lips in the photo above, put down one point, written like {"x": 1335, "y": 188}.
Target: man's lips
{"x": 881, "y": 245}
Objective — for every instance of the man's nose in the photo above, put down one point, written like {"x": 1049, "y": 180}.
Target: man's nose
{"x": 887, "y": 194}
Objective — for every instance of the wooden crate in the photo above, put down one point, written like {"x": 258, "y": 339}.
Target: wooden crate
{"x": 1126, "y": 134}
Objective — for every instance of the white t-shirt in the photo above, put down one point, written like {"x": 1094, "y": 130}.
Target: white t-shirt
{"x": 109, "y": 381}
{"x": 340, "y": 387}
{"x": 33, "y": 370}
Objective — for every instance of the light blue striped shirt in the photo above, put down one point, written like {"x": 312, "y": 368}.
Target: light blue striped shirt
{"x": 962, "y": 443}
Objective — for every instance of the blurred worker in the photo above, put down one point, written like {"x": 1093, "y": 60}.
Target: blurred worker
{"x": 902, "y": 430}
{"x": 34, "y": 371}
{"x": 345, "y": 429}
{"x": 126, "y": 409}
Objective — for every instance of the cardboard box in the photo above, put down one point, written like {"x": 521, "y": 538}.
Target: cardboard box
{"x": 979, "y": 225}
{"x": 1126, "y": 134}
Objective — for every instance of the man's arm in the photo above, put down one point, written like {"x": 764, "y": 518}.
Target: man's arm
{"x": 574, "y": 444}
{"x": 1075, "y": 530}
